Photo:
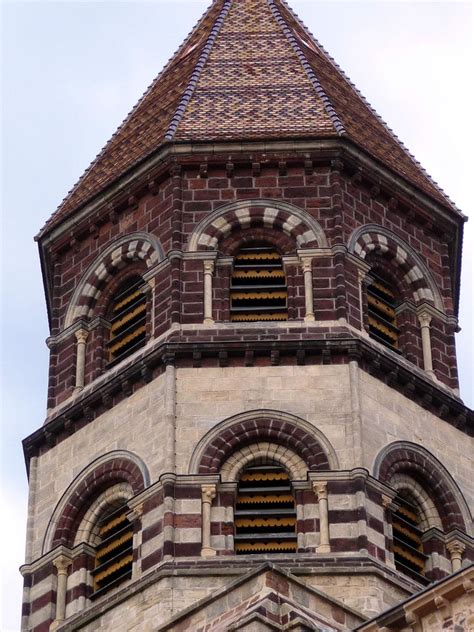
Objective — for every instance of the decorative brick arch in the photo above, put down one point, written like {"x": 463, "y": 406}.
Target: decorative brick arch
{"x": 129, "y": 248}
{"x": 373, "y": 238}
{"x": 305, "y": 231}
{"x": 111, "y": 469}
{"x": 414, "y": 461}
{"x": 262, "y": 426}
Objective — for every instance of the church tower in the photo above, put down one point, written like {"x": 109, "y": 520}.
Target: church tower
{"x": 253, "y": 412}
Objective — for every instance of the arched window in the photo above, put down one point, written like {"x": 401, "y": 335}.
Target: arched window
{"x": 114, "y": 551}
{"x": 407, "y": 537}
{"x": 265, "y": 514}
{"x": 381, "y": 298}
{"x": 127, "y": 317}
{"x": 258, "y": 287}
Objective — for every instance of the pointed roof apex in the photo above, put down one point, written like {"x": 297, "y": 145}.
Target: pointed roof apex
{"x": 249, "y": 70}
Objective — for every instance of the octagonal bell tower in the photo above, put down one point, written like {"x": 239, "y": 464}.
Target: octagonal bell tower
{"x": 253, "y": 412}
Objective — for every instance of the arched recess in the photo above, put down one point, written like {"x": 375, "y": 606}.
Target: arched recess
{"x": 414, "y": 461}
{"x": 114, "y": 496}
{"x": 262, "y": 453}
{"x": 295, "y": 222}
{"x": 119, "y": 466}
{"x": 127, "y": 249}
{"x": 256, "y": 427}
{"x": 375, "y": 238}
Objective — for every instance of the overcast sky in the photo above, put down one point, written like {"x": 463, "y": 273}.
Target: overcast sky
{"x": 73, "y": 70}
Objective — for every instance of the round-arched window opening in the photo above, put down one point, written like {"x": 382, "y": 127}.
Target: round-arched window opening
{"x": 127, "y": 317}
{"x": 258, "y": 289}
{"x": 265, "y": 512}
{"x": 382, "y": 303}
{"x": 407, "y": 537}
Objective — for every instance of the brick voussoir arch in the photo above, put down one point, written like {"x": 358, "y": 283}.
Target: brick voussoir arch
{"x": 255, "y": 427}
{"x": 129, "y": 248}
{"x": 115, "y": 467}
{"x": 297, "y": 223}
{"x": 374, "y": 238}
{"x": 404, "y": 457}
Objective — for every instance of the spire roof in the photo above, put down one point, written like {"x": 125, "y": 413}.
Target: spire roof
{"x": 249, "y": 70}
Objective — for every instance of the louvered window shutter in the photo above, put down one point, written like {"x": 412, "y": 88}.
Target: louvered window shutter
{"x": 258, "y": 288}
{"x": 127, "y": 320}
{"x": 114, "y": 554}
{"x": 382, "y": 315}
{"x": 407, "y": 540}
{"x": 265, "y": 514}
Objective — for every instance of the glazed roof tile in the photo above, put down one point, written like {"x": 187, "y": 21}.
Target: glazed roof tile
{"x": 249, "y": 70}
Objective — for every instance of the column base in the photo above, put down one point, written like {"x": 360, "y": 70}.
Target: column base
{"x": 208, "y": 321}
{"x": 309, "y": 318}
{"x": 208, "y": 552}
{"x": 323, "y": 548}
{"x": 55, "y": 625}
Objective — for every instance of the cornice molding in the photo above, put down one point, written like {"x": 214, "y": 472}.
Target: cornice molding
{"x": 151, "y": 360}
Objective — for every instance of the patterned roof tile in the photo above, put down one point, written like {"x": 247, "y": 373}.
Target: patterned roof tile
{"x": 249, "y": 70}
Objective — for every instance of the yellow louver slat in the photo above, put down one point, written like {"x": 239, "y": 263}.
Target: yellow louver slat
{"x": 418, "y": 561}
{"x": 381, "y": 306}
{"x": 411, "y": 515}
{"x": 257, "y": 317}
{"x": 128, "y": 317}
{"x": 258, "y": 274}
{"x": 267, "y": 546}
{"x": 407, "y": 531}
{"x": 112, "y": 523}
{"x": 258, "y": 295}
{"x": 382, "y": 288}
{"x": 114, "y": 567}
{"x": 126, "y": 300}
{"x": 265, "y": 522}
{"x": 258, "y": 256}
{"x": 385, "y": 330}
{"x": 126, "y": 537}
{"x": 270, "y": 498}
{"x": 127, "y": 339}
{"x": 261, "y": 476}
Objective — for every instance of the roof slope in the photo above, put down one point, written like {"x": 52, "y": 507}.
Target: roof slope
{"x": 249, "y": 70}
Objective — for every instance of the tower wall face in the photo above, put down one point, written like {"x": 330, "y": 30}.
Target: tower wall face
{"x": 340, "y": 207}
{"x": 358, "y": 417}
{"x": 357, "y": 428}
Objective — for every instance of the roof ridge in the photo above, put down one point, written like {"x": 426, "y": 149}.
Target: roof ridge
{"x": 338, "y": 126}
{"x": 405, "y": 149}
{"x": 191, "y": 87}
{"x": 97, "y": 157}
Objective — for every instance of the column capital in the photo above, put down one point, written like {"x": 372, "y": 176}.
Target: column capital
{"x": 62, "y": 563}
{"x": 455, "y": 547}
{"x": 424, "y": 318}
{"x": 208, "y": 493}
{"x": 321, "y": 490}
{"x": 209, "y": 266}
{"x": 82, "y": 335}
{"x": 306, "y": 264}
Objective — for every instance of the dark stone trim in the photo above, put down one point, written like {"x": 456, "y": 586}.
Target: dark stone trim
{"x": 379, "y": 363}
{"x": 42, "y": 601}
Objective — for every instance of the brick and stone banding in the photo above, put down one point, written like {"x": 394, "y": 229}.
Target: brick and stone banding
{"x": 261, "y": 429}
